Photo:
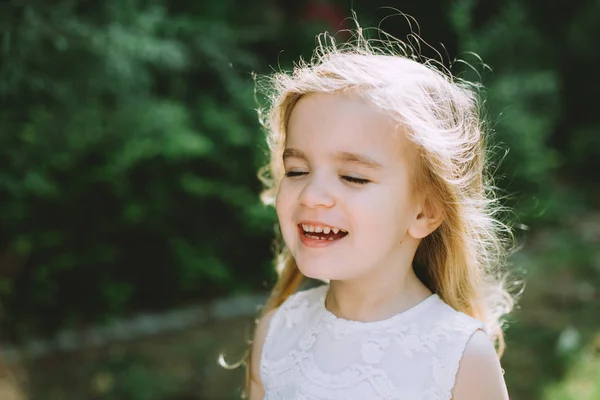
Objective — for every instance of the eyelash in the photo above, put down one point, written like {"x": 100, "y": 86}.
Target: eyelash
{"x": 350, "y": 179}
{"x": 358, "y": 181}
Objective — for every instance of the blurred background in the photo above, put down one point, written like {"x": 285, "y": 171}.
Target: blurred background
{"x": 133, "y": 247}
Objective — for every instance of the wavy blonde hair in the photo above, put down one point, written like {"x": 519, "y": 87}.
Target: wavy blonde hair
{"x": 463, "y": 259}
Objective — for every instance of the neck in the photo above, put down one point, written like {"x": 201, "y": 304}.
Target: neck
{"x": 371, "y": 299}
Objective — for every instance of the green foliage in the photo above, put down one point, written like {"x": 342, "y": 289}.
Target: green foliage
{"x": 129, "y": 149}
{"x": 547, "y": 172}
{"x": 522, "y": 97}
{"x": 528, "y": 104}
{"x": 582, "y": 381}
{"x": 130, "y": 144}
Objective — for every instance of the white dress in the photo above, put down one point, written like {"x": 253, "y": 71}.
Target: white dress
{"x": 310, "y": 354}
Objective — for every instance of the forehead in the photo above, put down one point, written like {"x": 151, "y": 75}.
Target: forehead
{"x": 326, "y": 123}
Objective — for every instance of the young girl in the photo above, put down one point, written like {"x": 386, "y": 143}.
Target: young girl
{"x": 377, "y": 175}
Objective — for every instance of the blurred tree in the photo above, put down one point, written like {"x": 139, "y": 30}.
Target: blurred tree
{"x": 540, "y": 108}
{"x": 129, "y": 149}
{"x": 130, "y": 144}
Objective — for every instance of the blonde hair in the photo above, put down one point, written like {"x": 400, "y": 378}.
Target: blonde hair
{"x": 463, "y": 259}
{"x": 9, "y": 388}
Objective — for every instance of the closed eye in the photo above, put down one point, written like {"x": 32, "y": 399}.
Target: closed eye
{"x": 353, "y": 179}
{"x": 292, "y": 174}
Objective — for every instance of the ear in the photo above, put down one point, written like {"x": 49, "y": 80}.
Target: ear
{"x": 429, "y": 216}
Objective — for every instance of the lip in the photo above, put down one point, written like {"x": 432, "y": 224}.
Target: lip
{"x": 315, "y": 243}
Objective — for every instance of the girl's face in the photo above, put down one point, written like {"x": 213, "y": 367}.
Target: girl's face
{"x": 346, "y": 205}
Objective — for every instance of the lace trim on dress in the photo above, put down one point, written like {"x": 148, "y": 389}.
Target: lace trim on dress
{"x": 365, "y": 377}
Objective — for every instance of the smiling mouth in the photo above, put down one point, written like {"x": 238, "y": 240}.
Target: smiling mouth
{"x": 321, "y": 232}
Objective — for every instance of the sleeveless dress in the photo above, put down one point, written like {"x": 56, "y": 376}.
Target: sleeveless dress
{"x": 310, "y": 354}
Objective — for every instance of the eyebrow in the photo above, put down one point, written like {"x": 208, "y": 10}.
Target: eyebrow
{"x": 293, "y": 153}
{"x": 360, "y": 159}
{"x": 343, "y": 156}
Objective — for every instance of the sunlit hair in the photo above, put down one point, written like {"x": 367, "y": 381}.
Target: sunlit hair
{"x": 9, "y": 388}
{"x": 463, "y": 259}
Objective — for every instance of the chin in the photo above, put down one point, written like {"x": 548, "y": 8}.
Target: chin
{"x": 314, "y": 272}
{"x": 322, "y": 274}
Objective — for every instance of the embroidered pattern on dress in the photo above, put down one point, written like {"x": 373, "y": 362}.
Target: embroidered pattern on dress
{"x": 373, "y": 349}
{"x": 305, "y": 315}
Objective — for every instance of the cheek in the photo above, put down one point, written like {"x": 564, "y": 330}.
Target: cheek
{"x": 385, "y": 211}
{"x": 279, "y": 206}
{"x": 284, "y": 203}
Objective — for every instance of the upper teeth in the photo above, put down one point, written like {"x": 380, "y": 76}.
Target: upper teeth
{"x": 319, "y": 229}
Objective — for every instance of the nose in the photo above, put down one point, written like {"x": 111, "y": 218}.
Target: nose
{"x": 317, "y": 193}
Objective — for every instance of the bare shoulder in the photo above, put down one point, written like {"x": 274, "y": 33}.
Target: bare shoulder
{"x": 256, "y": 388}
{"x": 479, "y": 374}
